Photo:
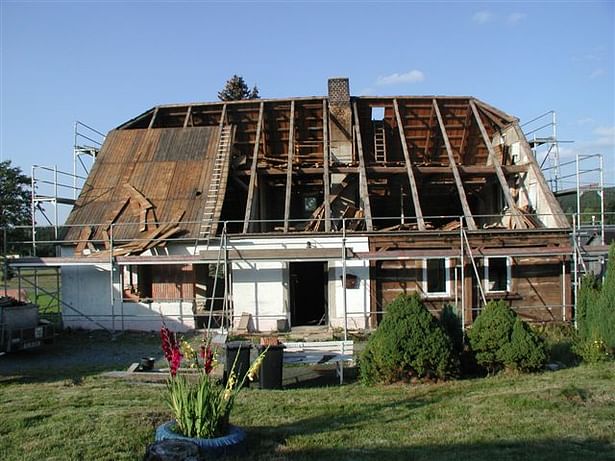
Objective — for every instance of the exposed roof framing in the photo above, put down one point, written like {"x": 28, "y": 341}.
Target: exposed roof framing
{"x": 462, "y": 195}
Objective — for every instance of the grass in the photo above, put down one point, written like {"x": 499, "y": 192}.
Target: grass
{"x": 69, "y": 412}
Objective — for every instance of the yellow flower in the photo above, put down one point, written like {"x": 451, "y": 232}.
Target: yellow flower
{"x": 186, "y": 349}
{"x": 252, "y": 372}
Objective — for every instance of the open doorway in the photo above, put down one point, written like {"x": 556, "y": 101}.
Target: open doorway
{"x": 307, "y": 293}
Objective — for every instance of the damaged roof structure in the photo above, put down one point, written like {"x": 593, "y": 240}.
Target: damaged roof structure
{"x": 316, "y": 210}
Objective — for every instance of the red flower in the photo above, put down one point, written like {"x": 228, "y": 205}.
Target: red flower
{"x": 208, "y": 358}
{"x": 176, "y": 358}
{"x": 167, "y": 340}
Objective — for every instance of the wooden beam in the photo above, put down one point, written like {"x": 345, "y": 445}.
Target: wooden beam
{"x": 253, "y": 176}
{"x": 326, "y": 177}
{"x": 415, "y": 194}
{"x": 188, "y": 114}
{"x": 289, "y": 167}
{"x": 465, "y": 136}
{"x": 363, "y": 190}
{"x": 222, "y": 120}
{"x": 428, "y": 137}
{"x": 451, "y": 158}
{"x": 498, "y": 169}
{"x": 151, "y": 122}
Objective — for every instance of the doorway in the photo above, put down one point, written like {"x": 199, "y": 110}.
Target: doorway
{"x": 307, "y": 283}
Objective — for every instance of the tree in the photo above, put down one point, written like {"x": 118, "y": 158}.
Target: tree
{"x": 14, "y": 202}
{"x": 236, "y": 89}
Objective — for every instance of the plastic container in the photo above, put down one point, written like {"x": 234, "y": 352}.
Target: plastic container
{"x": 237, "y": 354}
{"x": 270, "y": 373}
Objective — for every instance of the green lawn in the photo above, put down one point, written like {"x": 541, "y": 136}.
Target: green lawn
{"x": 569, "y": 414}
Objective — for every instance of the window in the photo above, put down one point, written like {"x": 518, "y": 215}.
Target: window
{"x": 497, "y": 274}
{"x": 378, "y": 113}
{"x": 436, "y": 277}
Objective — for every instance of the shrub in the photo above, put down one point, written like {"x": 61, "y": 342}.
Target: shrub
{"x": 500, "y": 339}
{"x": 592, "y": 350}
{"x": 596, "y": 313}
{"x": 408, "y": 343}
{"x": 451, "y": 323}
{"x": 587, "y": 300}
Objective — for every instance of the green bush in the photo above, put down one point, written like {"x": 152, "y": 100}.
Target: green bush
{"x": 500, "y": 339}
{"x": 596, "y": 314}
{"x": 451, "y": 323}
{"x": 592, "y": 350}
{"x": 587, "y": 301}
{"x": 409, "y": 343}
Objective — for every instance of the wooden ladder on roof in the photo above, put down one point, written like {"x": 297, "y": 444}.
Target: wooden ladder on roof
{"x": 217, "y": 184}
{"x": 380, "y": 142}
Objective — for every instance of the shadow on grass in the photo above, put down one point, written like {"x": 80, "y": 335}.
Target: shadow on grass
{"x": 78, "y": 354}
{"x": 547, "y": 449}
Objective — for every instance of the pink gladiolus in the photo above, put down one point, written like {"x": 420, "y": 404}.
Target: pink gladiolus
{"x": 176, "y": 358}
{"x": 167, "y": 340}
{"x": 209, "y": 360}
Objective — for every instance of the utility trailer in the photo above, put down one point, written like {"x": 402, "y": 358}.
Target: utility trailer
{"x": 20, "y": 326}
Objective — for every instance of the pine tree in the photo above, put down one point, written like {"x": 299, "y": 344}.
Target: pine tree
{"x": 236, "y": 89}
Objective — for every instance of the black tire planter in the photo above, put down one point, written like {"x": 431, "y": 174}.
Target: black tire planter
{"x": 231, "y": 444}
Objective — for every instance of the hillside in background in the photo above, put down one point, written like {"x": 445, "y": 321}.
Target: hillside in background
{"x": 590, "y": 204}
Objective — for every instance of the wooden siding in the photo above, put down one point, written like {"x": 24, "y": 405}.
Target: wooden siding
{"x": 172, "y": 282}
{"x": 539, "y": 289}
{"x": 171, "y": 167}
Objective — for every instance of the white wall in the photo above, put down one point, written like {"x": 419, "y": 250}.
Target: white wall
{"x": 87, "y": 289}
{"x": 261, "y": 288}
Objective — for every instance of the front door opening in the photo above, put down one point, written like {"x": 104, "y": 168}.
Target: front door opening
{"x": 307, "y": 293}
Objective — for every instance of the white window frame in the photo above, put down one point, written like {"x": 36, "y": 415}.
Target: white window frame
{"x": 448, "y": 283}
{"x": 508, "y": 274}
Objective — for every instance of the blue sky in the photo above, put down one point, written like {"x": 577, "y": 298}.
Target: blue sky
{"x": 105, "y": 62}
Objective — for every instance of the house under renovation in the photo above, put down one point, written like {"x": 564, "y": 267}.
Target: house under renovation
{"x": 275, "y": 213}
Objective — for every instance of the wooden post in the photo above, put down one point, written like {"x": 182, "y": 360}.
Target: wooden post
{"x": 253, "y": 175}
{"x": 289, "y": 168}
{"x": 498, "y": 169}
{"x": 188, "y": 114}
{"x": 151, "y": 122}
{"x": 326, "y": 177}
{"x": 451, "y": 158}
{"x": 415, "y": 194}
{"x": 363, "y": 190}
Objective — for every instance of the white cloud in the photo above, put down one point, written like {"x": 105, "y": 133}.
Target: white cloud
{"x": 585, "y": 121}
{"x": 599, "y": 72}
{"x": 366, "y": 92}
{"x": 482, "y": 17}
{"x": 605, "y": 136}
{"x": 515, "y": 18}
{"x": 412, "y": 76}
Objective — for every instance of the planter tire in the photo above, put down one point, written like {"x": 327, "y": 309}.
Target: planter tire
{"x": 231, "y": 444}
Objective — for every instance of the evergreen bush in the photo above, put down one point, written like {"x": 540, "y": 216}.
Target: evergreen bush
{"x": 596, "y": 315}
{"x": 409, "y": 343}
{"x": 500, "y": 339}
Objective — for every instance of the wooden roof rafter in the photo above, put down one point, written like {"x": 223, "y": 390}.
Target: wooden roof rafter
{"x": 413, "y": 187}
{"x": 247, "y": 222}
{"x": 325, "y": 173}
{"x": 449, "y": 150}
{"x": 363, "y": 190}
{"x": 289, "y": 166}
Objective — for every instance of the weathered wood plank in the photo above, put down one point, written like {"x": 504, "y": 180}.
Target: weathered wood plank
{"x": 253, "y": 176}
{"x": 289, "y": 167}
{"x": 498, "y": 169}
{"x": 363, "y": 191}
{"x": 151, "y": 122}
{"x": 451, "y": 158}
{"x": 415, "y": 194}
{"x": 188, "y": 114}
{"x": 326, "y": 176}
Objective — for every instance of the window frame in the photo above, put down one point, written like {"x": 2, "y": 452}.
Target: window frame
{"x": 447, "y": 283}
{"x": 508, "y": 274}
